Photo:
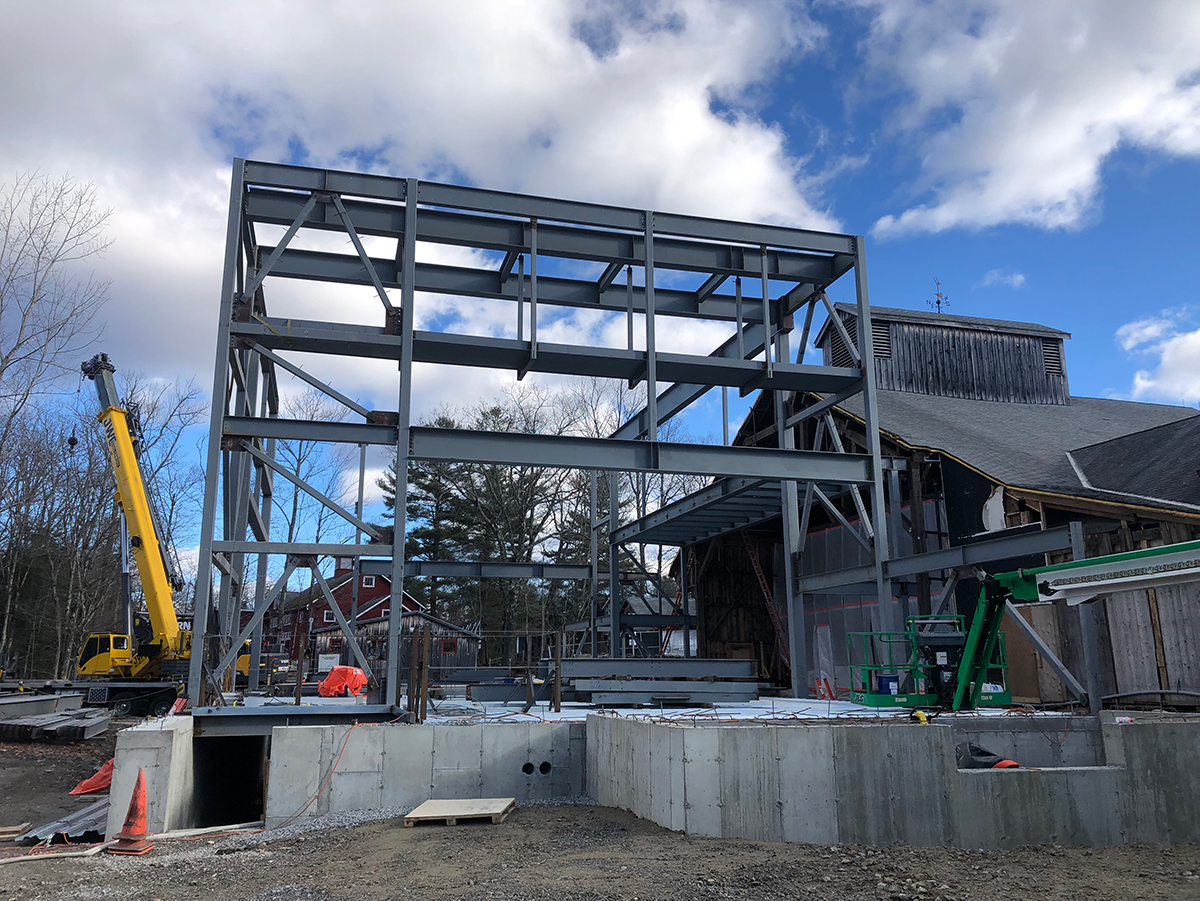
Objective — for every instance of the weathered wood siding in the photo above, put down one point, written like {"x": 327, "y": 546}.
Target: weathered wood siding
{"x": 969, "y": 363}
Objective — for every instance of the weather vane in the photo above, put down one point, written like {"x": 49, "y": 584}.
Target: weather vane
{"x": 939, "y": 299}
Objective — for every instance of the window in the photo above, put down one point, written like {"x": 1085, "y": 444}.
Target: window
{"x": 91, "y": 648}
{"x": 368, "y": 581}
{"x": 287, "y": 619}
{"x": 449, "y": 647}
{"x": 1052, "y": 356}
{"x": 335, "y": 643}
{"x": 345, "y": 563}
{"x": 387, "y": 611}
{"x": 120, "y": 642}
{"x": 329, "y": 616}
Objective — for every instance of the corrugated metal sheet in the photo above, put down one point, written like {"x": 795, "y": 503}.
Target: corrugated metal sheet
{"x": 74, "y": 825}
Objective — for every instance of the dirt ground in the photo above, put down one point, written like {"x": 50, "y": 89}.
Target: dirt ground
{"x": 35, "y": 777}
{"x": 543, "y": 853}
{"x": 577, "y": 852}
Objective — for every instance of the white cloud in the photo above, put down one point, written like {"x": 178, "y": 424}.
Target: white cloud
{"x": 1174, "y": 349}
{"x": 1014, "y": 107}
{"x": 1008, "y": 277}
{"x": 149, "y": 101}
{"x": 1143, "y": 331}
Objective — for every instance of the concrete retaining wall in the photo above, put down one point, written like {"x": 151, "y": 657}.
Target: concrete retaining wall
{"x": 403, "y": 765}
{"x": 882, "y": 784}
{"x": 163, "y": 747}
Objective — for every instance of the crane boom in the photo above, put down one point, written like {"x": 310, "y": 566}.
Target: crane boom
{"x": 131, "y": 495}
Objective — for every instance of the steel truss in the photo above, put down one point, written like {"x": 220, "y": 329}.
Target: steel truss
{"x": 754, "y": 277}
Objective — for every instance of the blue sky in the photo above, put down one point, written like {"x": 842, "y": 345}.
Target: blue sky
{"x": 1041, "y": 160}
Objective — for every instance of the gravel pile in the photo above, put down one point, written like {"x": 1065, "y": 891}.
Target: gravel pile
{"x": 343, "y": 820}
{"x": 583, "y": 798}
{"x": 350, "y": 818}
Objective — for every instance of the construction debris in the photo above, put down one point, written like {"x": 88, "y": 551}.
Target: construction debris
{"x": 10, "y": 833}
{"x": 77, "y": 826}
{"x": 96, "y": 783}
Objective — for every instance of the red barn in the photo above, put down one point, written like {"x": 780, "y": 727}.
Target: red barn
{"x": 287, "y": 625}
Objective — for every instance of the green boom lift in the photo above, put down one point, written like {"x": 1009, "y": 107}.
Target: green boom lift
{"x": 936, "y": 662}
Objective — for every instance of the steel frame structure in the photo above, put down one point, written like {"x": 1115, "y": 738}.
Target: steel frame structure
{"x": 785, "y": 270}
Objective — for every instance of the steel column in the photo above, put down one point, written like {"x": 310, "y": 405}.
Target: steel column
{"x": 212, "y": 471}
{"x": 616, "y": 643}
{"x": 400, "y": 523}
{"x": 1087, "y": 629}
{"x": 866, "y": 354}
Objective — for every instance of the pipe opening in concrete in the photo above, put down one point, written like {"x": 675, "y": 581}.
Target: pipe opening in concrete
{"x": 527, "y": 769}
{"x": 230, "y": 779}
{"x": 545, "y": 768}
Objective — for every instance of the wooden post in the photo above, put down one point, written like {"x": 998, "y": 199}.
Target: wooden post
{"x": 300, "y": 664}
{"x": 412, "y": 670}
{"x": 558, "y": 672}
{"x": 426, "y": 641}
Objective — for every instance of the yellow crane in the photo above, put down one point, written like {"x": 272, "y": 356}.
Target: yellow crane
{"x": 162, "y": 654}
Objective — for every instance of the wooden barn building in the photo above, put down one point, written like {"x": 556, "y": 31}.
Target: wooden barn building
{"x": 987, "y": 441}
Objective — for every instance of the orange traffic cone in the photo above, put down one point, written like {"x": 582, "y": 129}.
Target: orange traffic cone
{"x": 132, "y": 837}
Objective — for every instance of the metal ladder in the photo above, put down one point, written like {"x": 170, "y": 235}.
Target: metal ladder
{"x": 780, "y": 635}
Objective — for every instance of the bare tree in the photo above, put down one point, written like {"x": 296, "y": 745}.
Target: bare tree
{"x": 49, "y": 304}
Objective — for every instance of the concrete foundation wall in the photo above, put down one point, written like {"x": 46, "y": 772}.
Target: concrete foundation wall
{"x": 163, "y": 747}
{"x": 404, "y": 765}
{"x": 1042, "y": 741}
{"x": 884, "y": 784}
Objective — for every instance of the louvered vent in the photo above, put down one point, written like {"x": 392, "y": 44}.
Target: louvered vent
{"x": 881, "y": 338}
{"x": 839, "y": 355}
{"x": 1052, "y": 356}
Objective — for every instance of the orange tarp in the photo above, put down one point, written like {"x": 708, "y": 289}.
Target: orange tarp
{"x": 96, "y": 783}
{"x": 342, "y": 680}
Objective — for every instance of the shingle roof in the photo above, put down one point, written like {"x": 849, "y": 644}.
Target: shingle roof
{"x": 1162, "y": 462}
{"x": 945, "y": 320}
{"x": 1025, "y": 445}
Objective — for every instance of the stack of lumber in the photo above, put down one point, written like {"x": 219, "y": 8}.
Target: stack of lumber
{"x": 10, "y": 833}
{"x": 71, "y": 725}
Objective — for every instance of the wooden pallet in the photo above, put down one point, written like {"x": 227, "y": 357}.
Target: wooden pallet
{"x": 450, "y": 812}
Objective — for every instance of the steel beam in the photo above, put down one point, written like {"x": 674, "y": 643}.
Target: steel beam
{"x": 313, "y": 265}
{"x": 716, "y": 493}
{"x": 309, "y": 430}
{"x": 645, "y": 622}
{"x": 560, "y": 359}
{"x": 471, "y": 570}
{"x": 522, "y": 206}
{"x": 967, "y": 555}
{"x": 606, "y": 454}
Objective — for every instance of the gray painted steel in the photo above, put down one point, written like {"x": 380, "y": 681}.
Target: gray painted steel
{"x": 1020, "y": 545}
{"x": 793, "y": 266}
{"x": 657, "y": 667}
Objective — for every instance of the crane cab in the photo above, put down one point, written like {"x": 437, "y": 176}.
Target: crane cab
{"x": 105, "y": 653}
